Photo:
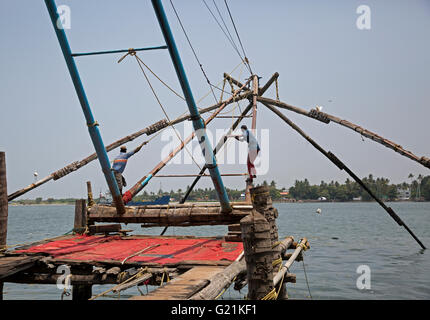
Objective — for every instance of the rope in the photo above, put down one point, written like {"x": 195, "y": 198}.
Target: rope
{"x": 237, "y": 34}
{"x": 139, "y": 61}
{"x": 306, "y": 276}
{"x": 222, "y": 29}
{"x": 192, "y": 49}
{"x": 121, "y": 276}
{"x": 133, "y": 53}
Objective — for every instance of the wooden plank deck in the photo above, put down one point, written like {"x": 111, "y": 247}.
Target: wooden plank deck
{"x": 10, "y": 265}
{"x": 184, "y": 286}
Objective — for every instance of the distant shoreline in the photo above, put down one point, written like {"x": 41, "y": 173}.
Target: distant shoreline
{"x": 274, "y": 201}
{"x": 337, "y": 201}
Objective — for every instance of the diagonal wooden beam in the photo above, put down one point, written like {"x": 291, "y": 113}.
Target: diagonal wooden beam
{"x": 326, "y": 118}
{"x": 148, "y": 131}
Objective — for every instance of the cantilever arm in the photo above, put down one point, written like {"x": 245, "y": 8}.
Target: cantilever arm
{"x": 326, "y": 118}
{"x": 148, "y": 131}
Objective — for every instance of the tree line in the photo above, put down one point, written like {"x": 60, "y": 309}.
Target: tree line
{"x": 302, "y": 190}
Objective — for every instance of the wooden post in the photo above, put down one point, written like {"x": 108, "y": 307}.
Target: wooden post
{"x": 90, "y": 194}
{"x": 3, "y": 208}
{"x": 262, "y": 202}
{"x": 81, "y": 292}
{"x": 254, "y": 102}
{"x": 258, "y": 251}
{"x": 260, "y": 235}
{"x": 80, "y": 215}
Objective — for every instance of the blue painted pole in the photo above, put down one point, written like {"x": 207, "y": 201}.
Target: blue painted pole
{"x": 198, "y": 123}
{"x": 91, "y": 123}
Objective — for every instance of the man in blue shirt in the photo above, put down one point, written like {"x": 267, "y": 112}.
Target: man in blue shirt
{"x": 120, "y": 162}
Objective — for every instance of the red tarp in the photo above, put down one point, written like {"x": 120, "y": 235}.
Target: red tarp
{"x": 169, "y": 250}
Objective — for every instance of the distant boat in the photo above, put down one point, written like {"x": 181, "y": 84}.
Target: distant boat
{"x": 161, "y": 200}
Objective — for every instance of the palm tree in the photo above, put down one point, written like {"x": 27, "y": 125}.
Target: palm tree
{"x": 420, "y": 179}
{"x": 411, "y": 176}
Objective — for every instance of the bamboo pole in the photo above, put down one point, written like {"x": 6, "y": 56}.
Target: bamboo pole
{"x": 303, "y": 245}
{"x": 224, "y": 279}
{"x": 342, "y": 166}
{"x": 129, "y": 194}
{"x": 326, "y": 118}
{"x": 196, "y": 175}
{"x": 148, "y": 131}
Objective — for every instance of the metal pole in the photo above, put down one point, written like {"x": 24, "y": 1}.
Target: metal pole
{"x": 198, "y": 123}
{"x": 91, "y": 123}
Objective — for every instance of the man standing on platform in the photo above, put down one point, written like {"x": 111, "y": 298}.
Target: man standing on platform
{"x": 253, "y": 150}
{"x": 120, "y": 162}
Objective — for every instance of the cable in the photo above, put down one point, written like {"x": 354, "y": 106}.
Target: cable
{"x": 230, "y": 40}
{"x": 306, "y": 276}
{"x": 164, "y": 111}
{"x": 192, "y": 49}
{"x": 237, "y": 34}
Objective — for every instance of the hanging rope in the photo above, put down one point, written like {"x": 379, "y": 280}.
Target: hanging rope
{"x": 306, "y": 276}
{"x": 140, "y": 62}
{"x": 244, "y": 60}
{"x": 240, "y": 41}
{"x": 133, "y": 53}
{"x": 192, "y": 49}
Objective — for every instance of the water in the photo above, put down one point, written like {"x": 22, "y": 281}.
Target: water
{"x": 342, "y": 238}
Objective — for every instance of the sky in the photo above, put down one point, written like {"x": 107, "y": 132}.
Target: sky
{"x": 377, "y": 78}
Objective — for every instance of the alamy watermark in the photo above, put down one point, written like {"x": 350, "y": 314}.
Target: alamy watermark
{"x": 231, "y": 152}
{"x": 364, "y": 280}
{"x": 363, "y": 21}
{"x": 65, "y": 17}
{"x": 64, "y": 281}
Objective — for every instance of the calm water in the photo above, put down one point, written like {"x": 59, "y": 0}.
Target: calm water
{"x": 343, "y": 237}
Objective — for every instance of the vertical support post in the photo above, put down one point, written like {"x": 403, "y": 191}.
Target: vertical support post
{"x": 259, "y": 233}
{"x": 258, "y": 253}
{"x": 3, "y": 208}
{"x": 80, "y": 216}
{"x": 254, "y": 102}
{"x": 81, "y": 292}
{"x": 198, "y": 123}
{"x": 90, "y": 194}
{"x": 249, "y": 185}
{"x": 91, "y": 123}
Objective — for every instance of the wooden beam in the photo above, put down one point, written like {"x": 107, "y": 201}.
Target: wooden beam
{"x": 80, "y": 214}
{"x": 170, "y": 215}
{"x": 148, "y": 131}
{"x": 326, "y": 118}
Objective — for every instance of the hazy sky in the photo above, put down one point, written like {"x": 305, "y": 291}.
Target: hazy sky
{"x": 377, "y": 78}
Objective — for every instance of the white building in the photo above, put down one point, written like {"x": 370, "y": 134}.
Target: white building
{"x": 404, "y": 194}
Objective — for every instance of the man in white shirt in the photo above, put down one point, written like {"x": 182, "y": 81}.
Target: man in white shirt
{"x": 253, "y": 150}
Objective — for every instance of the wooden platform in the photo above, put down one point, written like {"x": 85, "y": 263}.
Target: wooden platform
{"x": 184, "y": 286}
{"x": 10, "y": 265}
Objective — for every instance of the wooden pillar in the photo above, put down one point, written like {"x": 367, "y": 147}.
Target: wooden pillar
{"x": 262, "y": 202}
{"x": 254, "y": 102}
{"x": 90, "y": 194}
{"x": 3, "y": 208}
{"x": 81, "y": 292}
{"x": 80, "y": 216}
{"x": 258, "y": 253}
